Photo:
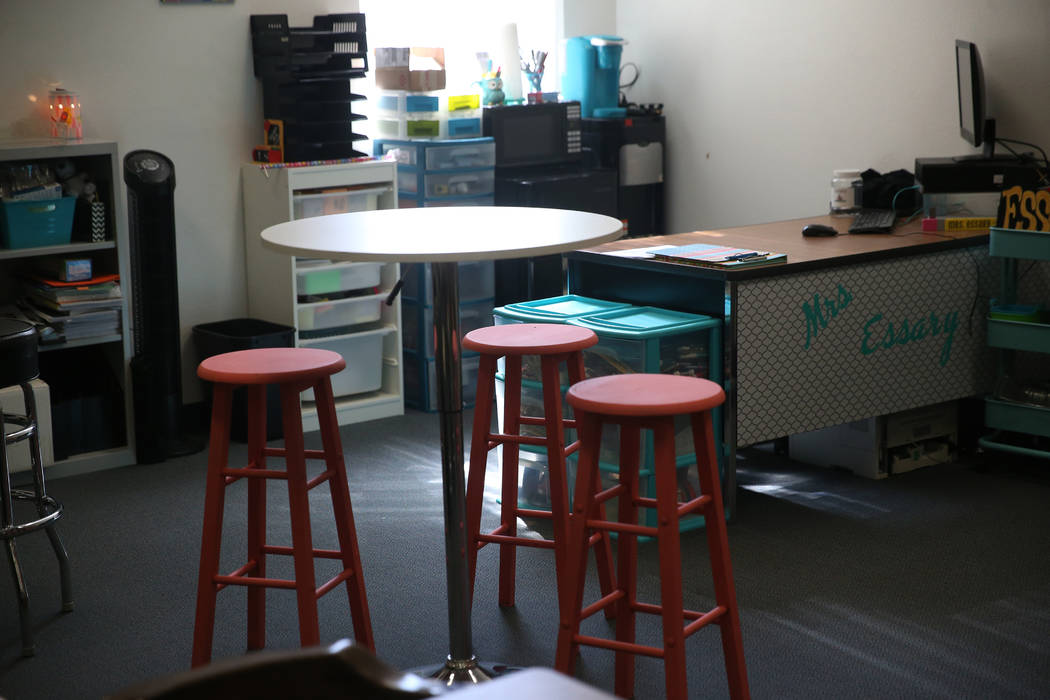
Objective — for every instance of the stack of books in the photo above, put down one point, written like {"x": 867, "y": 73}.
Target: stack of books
{"x": 68, "y": 311}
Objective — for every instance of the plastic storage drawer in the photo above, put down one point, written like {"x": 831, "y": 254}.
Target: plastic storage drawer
{"x": 475, "y": 153}
{"x": 310, "y": 204}
{"x": 417, "y": 324}
{"x": 400, "y": 102}
{"x": 484, "y": 201}
{"x": 363, "y": 353}
{"x": 551, "y": 310}
{"x": 440, "y": 154}
{"x": 339, "y": 313}
{"x": 328, "y": 278}
{"x": 466, "y": 183}
{"x": 477, "y": 281}
{"x": 421, "y": 381}
{"x": 648, "y": 339}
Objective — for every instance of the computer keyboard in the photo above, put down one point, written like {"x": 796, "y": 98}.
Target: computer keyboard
{"x": 873, "y": 221}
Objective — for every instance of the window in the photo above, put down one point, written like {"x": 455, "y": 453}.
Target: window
{"x": 463, "y": 28}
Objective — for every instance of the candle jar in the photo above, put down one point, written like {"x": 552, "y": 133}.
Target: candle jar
{"x": 64, "y": 114}
{"x": 846, "y": 191}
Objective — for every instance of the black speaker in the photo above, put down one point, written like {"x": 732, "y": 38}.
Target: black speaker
{"x": 156, "y": 367}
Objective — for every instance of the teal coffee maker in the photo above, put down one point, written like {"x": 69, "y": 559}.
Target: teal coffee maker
{"x": 592, "y": 75}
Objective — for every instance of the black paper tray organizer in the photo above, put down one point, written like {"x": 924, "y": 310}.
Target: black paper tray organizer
{"x": 311, "y": 65}
{"x": 316, "y": 132}
{"x": 291, "y": 111}
{"x": 296, "y": 152}
{"x": 305, "y": 74}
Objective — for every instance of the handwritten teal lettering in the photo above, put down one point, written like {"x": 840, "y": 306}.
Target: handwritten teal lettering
{"x": 879, "y": 333}
{"x": 822, "y": 311}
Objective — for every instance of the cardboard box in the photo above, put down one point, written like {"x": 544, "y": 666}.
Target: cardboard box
{"x": 13, "y": 402}
{"x": 416, "y": 68}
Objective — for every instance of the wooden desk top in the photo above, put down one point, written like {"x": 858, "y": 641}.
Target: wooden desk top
{"x": 802, "y": 252}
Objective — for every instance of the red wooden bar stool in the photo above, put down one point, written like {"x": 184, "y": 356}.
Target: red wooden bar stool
{"x": 554, "y": 344}
{"x": 634, "y": 402}
{"x": 294, "y": 370}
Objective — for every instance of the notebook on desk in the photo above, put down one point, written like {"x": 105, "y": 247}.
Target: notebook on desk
{"x": 718, "y": 256}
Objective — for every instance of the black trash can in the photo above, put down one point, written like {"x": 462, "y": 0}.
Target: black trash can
{"x": 244, "y": 334}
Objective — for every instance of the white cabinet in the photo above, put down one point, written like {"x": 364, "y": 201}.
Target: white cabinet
{"x": 88, "y": 380}
{"x": 334, "y": 305}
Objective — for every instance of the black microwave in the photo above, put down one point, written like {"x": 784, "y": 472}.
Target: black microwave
{"x": 538, "y": 134}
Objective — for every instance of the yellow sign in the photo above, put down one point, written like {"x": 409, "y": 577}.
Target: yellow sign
{"x": 1026, "y": 210}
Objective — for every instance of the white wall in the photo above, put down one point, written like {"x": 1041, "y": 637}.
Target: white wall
{"x": 764, "y": 98}
{"x": 171, "y": 78}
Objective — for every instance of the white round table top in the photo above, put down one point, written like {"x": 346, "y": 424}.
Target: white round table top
{"x": 442, "y": 234}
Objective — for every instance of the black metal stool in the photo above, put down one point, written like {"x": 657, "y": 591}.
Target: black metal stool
{"x": 18, "y": 367}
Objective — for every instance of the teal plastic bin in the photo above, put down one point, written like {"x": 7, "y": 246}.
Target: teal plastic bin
{"x": 532, "y": 478}
{"x": 554, "y": 309}
{"x": 32, "y": 224}
{"x": 652, "y": 340}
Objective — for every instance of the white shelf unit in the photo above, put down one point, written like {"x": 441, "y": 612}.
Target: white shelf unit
{"x": 101, "y": 160}
{"x": 276, "y": 195}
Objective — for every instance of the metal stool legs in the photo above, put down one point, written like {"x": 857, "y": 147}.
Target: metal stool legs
{"x": 48, "y": 511}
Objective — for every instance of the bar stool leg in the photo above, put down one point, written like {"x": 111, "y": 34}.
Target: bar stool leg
{"x": 256, "y": 420}
{"x": 570, "y": 592}
{"x": 718, "y": 546}
{"x": 211, "y": 537}
{"x": 299, "y": 514}
{"x": 28, "y": 646}
{"x": 479, "y": 453}
{"x": 670, "y": 559}
{"x": 343, "y": 512}
{"x": 40, "y": 493}
{"x": 509, "y": 491}
{"x": 627, "y": 556}
{"x": 557, "y": 476}
{"x": 600, "y": 540}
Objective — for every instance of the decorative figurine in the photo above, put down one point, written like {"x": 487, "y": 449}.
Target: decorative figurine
{"x": 491, "y": 88}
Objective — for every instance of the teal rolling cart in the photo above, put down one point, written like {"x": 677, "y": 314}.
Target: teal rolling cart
{"x": 1020, "y": 406}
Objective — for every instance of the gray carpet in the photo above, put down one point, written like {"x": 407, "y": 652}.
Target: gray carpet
{"x": 933, "y": 584}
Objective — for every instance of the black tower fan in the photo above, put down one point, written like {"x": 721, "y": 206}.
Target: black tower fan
{"x": 156, "y": 368}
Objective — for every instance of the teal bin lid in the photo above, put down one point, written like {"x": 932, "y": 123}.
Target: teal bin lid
{"x": 644, "y": 322}
{"x": 557, "y": 309}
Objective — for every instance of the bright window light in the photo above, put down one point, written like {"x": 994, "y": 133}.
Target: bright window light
{"x": 464, "y": 28}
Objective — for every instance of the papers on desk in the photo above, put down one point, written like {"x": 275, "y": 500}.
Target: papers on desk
{"x": 717, "y": 256}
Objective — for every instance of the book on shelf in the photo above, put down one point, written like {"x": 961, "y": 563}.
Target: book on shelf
{"x": 957, "y": 223}
{"x": 77, "y": 323}
{"x": 55, "y": 293}
{"x": 718, "y": 256}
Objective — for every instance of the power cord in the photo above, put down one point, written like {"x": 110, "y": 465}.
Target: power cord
{"x": 1027, "y": 158}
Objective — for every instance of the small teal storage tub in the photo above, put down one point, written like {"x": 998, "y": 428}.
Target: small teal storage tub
{"x": 1016, "y": 243}
{"x": 657, "y": 341}
{"x": 554, "y": 309}
{"x": 37, "y": 223}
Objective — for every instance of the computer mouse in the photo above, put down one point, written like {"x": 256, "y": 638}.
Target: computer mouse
{"x": 818, "y": 230}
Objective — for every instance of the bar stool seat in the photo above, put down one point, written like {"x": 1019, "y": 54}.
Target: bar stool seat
{"x": 19, "y": 367}
{"x": 639, "y": 402}
{"x": 555, "y": 345}
{"x": 293, "y": 370}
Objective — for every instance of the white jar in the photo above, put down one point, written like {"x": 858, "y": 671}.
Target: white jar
{"x": 846, "y": 189}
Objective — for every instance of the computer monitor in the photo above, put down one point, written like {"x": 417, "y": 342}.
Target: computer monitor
{"x": 974, "y": 124}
